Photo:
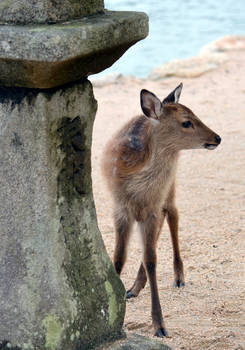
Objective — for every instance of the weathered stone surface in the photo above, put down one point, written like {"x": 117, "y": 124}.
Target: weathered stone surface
{"x": 46, "y": 11}
{"x": 58, "y": 288}
{"x": 136, "y": 342}
{"x": 46, "y": 56}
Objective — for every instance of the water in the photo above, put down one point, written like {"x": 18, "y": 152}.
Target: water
{"x": 178, "y": 29}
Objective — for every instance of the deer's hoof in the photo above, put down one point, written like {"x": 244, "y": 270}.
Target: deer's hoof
{"x": 178, "y": 284}
{"x": 161, "y": 332}
{"x": 129, "y": 294}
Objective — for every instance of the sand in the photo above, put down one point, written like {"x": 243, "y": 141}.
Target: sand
{"x": 209, "y": 312}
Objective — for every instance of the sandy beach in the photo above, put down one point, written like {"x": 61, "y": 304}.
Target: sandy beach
{"x": 209, "y": 312}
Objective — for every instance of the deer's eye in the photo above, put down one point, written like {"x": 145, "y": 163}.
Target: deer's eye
{"x": 187, "y": 124}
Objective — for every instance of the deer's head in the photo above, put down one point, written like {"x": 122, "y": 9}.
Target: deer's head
{"x": 175, "y": 125}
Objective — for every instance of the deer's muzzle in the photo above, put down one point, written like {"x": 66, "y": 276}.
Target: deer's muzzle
{"x": 211, "y": 146}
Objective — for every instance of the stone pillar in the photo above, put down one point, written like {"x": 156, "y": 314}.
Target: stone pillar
{"x": 58, "y": 288}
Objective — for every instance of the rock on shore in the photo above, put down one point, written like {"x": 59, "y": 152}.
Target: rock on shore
{"x": 209, "y": 57}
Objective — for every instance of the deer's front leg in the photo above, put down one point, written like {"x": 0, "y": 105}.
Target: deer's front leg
{"x": 149, "y": 230}
{"x": 172, "y": 218}
{"x": 139, "y": 283}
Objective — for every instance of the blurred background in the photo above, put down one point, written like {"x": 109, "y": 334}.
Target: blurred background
{"x": 178, "y": 29}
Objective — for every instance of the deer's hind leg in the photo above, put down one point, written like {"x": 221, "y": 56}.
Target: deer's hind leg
{"x": 123, "y": 222}
{"x": 141, "y": 278}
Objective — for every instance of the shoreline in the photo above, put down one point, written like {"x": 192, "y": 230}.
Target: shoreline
{"x": 208, "y": 58}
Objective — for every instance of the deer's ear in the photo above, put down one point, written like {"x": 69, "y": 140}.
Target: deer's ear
{"x": 150, "y": 104}
{"x": 174, "y": 96}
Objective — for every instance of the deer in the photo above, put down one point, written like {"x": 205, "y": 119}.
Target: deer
{"x": 139, "y": 164}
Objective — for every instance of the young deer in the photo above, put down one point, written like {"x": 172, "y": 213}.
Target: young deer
{"x": 139, "y": 164}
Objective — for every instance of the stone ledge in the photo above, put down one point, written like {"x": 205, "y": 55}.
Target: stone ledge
{"x": 45, "y": 56}
{"x": 135, "y": 342}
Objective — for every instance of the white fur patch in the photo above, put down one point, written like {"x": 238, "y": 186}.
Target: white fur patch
{"x": 154, "y": 122}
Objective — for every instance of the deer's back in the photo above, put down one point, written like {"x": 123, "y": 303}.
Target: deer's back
{"x": 137, "y": 173}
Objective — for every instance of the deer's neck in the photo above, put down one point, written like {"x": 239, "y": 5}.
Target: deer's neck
{"x": 164, "y": 155}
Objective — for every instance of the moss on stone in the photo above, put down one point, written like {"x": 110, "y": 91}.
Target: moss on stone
{"x": 53, "y": 332}
{"x": 113, "y": 306}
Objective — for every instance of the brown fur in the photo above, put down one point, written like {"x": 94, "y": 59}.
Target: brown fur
{"x": 140, "y": 164}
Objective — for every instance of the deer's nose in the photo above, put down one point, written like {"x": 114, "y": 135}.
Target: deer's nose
{"x": 218, "y": 139}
